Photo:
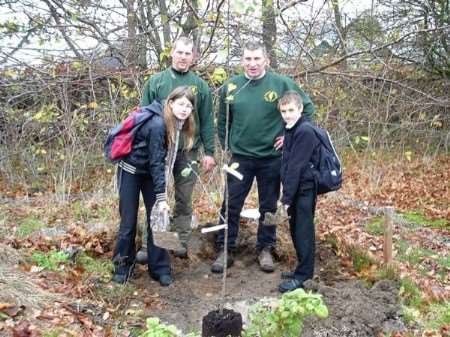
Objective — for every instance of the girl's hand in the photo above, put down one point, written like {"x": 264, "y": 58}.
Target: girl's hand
{"x": 163, "y": 207}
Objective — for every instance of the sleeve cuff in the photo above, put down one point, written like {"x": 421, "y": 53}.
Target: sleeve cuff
{"x": 160, "y": 197}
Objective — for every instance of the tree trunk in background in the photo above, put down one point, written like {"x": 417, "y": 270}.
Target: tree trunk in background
{"x": 131, "y": 57}
{"x": 190, "y": 26}
{"x": 340, "y": 29}
{"x": 165, "y": 22}
{"x": 142, "y": 39}
{"x": 269, "y": 31}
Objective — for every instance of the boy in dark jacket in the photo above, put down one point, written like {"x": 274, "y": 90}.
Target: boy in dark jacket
{"x": 300, "y": 154}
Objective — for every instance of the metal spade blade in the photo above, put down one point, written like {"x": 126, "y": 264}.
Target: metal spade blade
{"x": 277, "y": 218}
{"x": 161, "y": 236}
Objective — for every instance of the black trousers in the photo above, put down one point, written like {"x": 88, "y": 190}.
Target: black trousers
{"x": 267, "y": 174}
{"x": 130, "y": 186}
{"x": 301, "y": 225}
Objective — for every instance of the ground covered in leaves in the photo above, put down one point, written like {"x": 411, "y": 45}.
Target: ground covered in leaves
{"x": 55, "y": 260}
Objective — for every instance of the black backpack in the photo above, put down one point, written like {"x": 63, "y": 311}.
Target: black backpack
{"x": 329, "y": 172}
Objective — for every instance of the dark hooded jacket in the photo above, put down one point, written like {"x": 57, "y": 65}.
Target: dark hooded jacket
{"x": 149, "y": 149}
{"x": 301, "y": 153}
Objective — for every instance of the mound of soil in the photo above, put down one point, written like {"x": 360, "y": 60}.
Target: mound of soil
{"x": 355, "y": 310}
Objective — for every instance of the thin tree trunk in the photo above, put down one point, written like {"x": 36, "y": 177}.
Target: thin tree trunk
{"x": 132, "y": 47}
{"x": 269, "y": 27}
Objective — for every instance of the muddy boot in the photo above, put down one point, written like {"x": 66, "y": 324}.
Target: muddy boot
{"x": 122, "y": 270}
{"x": 141, "y": 256}
{"x": 289, "y": 285}
{"x": 217, "y": 266}
{"x": 182, "y": 225}
{"x": 182, "y": 253}
{"x": 265, "y": 260}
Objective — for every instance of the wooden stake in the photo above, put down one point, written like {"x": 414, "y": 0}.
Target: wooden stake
{"x": 387, "y": 247}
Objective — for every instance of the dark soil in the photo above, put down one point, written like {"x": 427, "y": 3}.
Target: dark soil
{"x": 222, "y": 323}
{"x": 356, "y": 309}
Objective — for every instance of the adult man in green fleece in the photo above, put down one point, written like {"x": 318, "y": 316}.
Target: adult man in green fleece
{"x": 254, "y": 139}
{"x": 158, "y": 87}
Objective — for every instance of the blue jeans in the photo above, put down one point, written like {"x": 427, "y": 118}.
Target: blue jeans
{"x": 130, "y": 186}
{"x": 267, "y": 173}
{"x": 301, "y": 225}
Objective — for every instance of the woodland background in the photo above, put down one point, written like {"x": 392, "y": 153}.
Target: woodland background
{"x": 378, "y": 72}
{"x": 379, "y": 77}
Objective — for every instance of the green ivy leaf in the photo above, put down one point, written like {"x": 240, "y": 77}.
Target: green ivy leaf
{"x": 234, "y": 166}
{"x": 321, "y": 311}
{"x": 186, "y": 171}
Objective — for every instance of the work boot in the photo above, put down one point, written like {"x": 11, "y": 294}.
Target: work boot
{"x": 182, "y": 252}
{"x": 287, "y": 274}
{"x": 217, "y": 266}
{"x": 165, "y": 280}
{"x": 289, "y": 285}
{"x": 122, "y": 272}
{"x": 141, "y": 256}
{"x": 265, "y": 260}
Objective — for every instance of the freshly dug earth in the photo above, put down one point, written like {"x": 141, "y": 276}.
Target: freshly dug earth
{"x": 355, "y": 309}
{"x": 222, "y": 323}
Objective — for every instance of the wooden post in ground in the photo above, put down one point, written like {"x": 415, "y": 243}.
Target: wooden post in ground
{"x": 387, "y": 246}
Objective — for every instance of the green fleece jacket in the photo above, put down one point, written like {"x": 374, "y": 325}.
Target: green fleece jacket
{"x": 160, "y": 85}
{"x": 254, "y": 120}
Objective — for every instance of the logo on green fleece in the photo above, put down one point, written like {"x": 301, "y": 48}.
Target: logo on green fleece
{"x": 270, "y": 96}
{"x": 194, "y": 89}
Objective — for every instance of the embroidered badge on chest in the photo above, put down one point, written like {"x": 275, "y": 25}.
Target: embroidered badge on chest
{"x": 194, "y": 89}
{"x": 270, "y": 96}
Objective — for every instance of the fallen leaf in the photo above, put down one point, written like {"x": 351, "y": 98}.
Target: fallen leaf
{"x": 22, "y": 329}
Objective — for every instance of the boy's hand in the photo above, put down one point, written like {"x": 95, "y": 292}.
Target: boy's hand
{"x": 278, "y": 142}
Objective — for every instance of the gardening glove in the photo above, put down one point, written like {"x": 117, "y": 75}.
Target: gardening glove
{"x": 161, "y": 216}
{"x": 162, "y": 207}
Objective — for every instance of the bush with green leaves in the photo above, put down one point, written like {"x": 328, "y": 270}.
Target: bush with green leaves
{"x": 157, "y": 329}
{"x": 285, "y": 318}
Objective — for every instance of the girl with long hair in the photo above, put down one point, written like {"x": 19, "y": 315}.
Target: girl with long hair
{"x": 144, "y": 171}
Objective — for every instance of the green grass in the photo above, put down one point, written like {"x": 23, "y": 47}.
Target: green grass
{"x": 29, "y": 225}
{"x": 136, "y": 332}
{"x": 3, "y": 221}
{"x": 56, "y": 332}
{"x": 411, "y": 293}
{"x": 420, "y": 313}
{"x": 415, "y": 256}
{"x": 412, "y": 254}
{"x": 417, "y": 218}
{"x": 115, "y": 294}
{"x": 375, "y": 226}
{"x": 51, "y": 260}
{"x": 85, "y": 210}
{"x": 388, "y": 273}
{"x": 332, "y": 241}
{"x": 80, "y": 211}
{"x": 410, "y": 315}
{"x": 438, "y": 315}
{"x": 98, "y": 266}
{"x": 360, "y": 259}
